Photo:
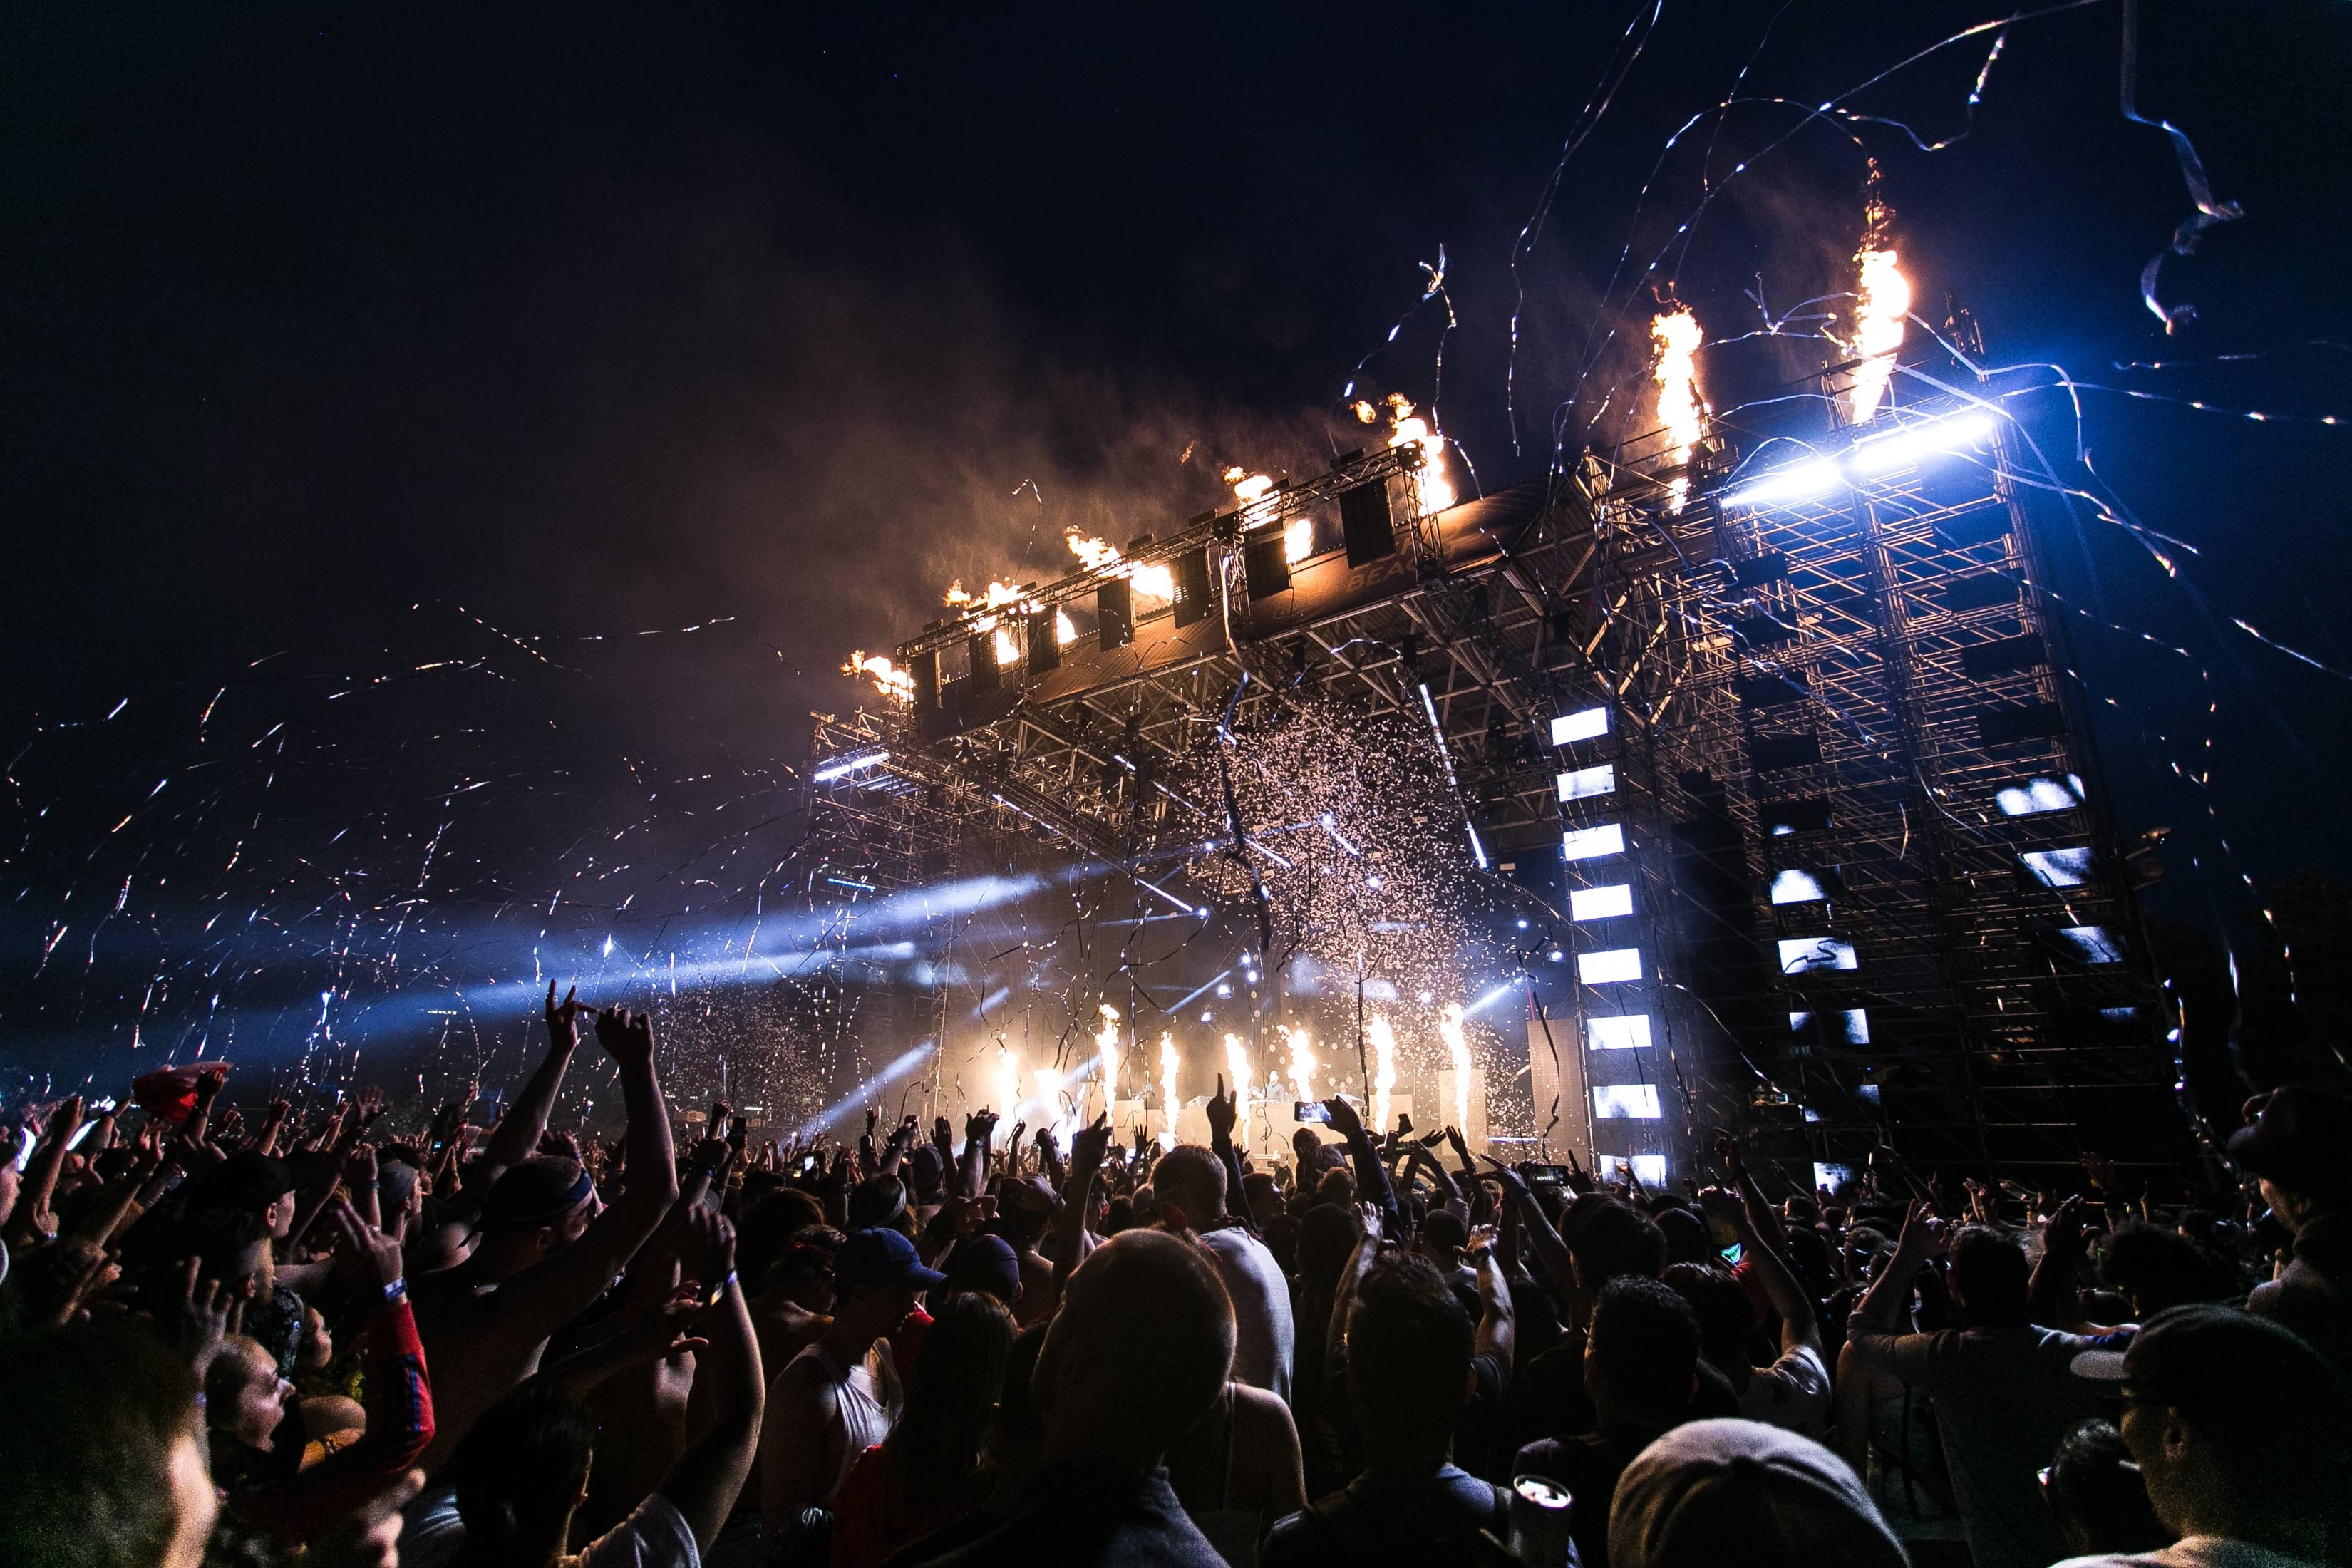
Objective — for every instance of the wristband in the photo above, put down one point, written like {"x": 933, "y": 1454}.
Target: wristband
{"x": 718, "y": 1291}
{"x": 395, "y": 1291}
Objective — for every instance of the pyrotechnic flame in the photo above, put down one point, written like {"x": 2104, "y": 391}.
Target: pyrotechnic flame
{"x": 1298, "y": 540}
{"x": 1168, "y": 1088}
{"x": 888, "y": 678}
{"x": 1365, "y": 411}
{"x": 1680, "y": 413}
{"x": 1106, "y": 1051}
{"x": 1412, "y": 430}
{"x": 1007, "y": 651}
{"x": 1151, "y": 582}
{"x": 1064, "y": 634}
{"x": 1237, "y": 1064}
{"x": 1383, "y": 1041}
{"x": 1457, "y": 1048}
{"x": 1246, "y": 491}
{"x": 1302, "y": 1063}
{"x": 1882, "y": 296}
{"x": 1008, "y": 1081}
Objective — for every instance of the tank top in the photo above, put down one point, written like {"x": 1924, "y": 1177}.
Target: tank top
{"x": 865, "y": 1421}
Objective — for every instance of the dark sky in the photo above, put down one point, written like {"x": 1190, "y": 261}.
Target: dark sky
{"x": 357, "y": 339}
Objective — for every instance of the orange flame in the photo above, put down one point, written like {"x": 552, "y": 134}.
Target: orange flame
{"x": 888, "y": 678}
{"x": 1882, "y": 297}
{"x": 1152, "y": 581}
{"x": 1412, "y": 430}
{"x": 1680, "y": 412}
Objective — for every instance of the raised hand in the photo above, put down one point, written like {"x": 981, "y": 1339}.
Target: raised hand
{"x": 358, "y": 1166}
{"x": 627, "y": 1038}
{"x": 1344, "y": 1120}
{"x": 1482, "y": 1238}
{"x": 564, "y": 1018}
{"x": 1923, "y": 1234}
{"x": 1223, "y": 1111}
{"x": 1090, "y": 1145}
{"x": 664, "y": 1331}
{"x": 201, "y": 1316}
{"x": 369, "y": 1254}
{"x": 706, "y": 1249}
{"x": 1726, "y": 1148}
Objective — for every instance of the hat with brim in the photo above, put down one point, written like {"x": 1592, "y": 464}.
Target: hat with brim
{"x": 2297, "y": 1138}
{"x": 885, "y": 1257}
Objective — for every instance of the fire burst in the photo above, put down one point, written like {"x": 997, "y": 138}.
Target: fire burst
{"x": 1457, "y": 1048}
{"x": 1168, "y": 1089}
{"x": 1302, "y": 1063}
{"x": 888, "y": 679}
{"x": 1383, "y": 1041}
{"x": 1680, "y": 412}
{"x": 1882, "y": 298}
{"x": 1412, "y": 430}
{"x": 1152, "y": 581}
{"x": 1106, "y": 1052}
{"x": 1008, "y": 1080}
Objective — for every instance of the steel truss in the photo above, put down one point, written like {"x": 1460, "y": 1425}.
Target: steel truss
{"x": 1840, "y": 687}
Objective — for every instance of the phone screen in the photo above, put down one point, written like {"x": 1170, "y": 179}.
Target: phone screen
{"x": 1312, "y": 1111}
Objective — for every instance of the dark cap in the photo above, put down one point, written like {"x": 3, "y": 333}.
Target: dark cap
{"x": 2298, "y": 1138}
{"x": 880, "y": 1256}
{"x": 929, "y": 1174}
{"x": 2220, "y": 1365}
{"x": 876, "y": 1200}
{"x": 539, "y": 1191}
{"x": 986, "y": 1264}
{"x": 245, "y": 1181}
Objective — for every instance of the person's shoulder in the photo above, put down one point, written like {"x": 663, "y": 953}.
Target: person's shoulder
{"x": 655, "y": 1535}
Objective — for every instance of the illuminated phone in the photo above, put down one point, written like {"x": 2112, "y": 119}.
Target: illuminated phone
{"x": 1313, "y": 1111}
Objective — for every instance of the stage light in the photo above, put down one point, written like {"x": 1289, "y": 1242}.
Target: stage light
{"x": 1607, "y": 903}
{"x": 1798, "y": 481}
{"x": 2059, "y": 867}
{"x": 2091, "y": 944}
{"x": 1427, "y": 997}
{"x": 1206, "y": 1016}
{"x": 1794, "y": 887}
{"x": 1583, "y": 783}
{"x": 1802, "y": 954}
{"x": 1581, "y": 725}
{"x": 1625, "y": 1101}
{"x": 2038, "y": 795}
{"x": 1630, "y": 1032}
{"x": 1523, "y": 925}
{"x": 1557, "y": 956}
{"x": 844, "y": 766}
{"x": 1902, "y": 447}
{"x": 1592, "y": 843}
{"x": 1225, "y": 989}
{"x": 1373, "y": 883}
{"x": 1612, "y": 967}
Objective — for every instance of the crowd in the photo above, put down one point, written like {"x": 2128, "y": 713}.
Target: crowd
{"x": 231, "y": 1341}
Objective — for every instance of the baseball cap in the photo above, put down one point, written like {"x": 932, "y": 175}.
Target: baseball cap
{"x": 1712, "y": 1491}
{"x": 985, "y": 1263}
{"x": 2221, "y": 1364}
{"x": 876, "y": 1200}
{"x": 2297, "y": 1139}
{"x": 538, "y": 1191}
{"x": 880, "y": 1256}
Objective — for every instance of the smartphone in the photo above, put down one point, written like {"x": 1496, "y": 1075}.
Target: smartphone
{"x": 1311, "y": 1110}
{"x": 1404, "y": 1126}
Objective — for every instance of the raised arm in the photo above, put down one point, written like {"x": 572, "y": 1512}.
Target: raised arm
{"x": 1799, "y": 1326}
{"x": 1087, "y": 1147}
{"x": 1360, "y": 1263}
{"x": 1498, "y": 1325}
{"x": 546, "y": 1296}
{"x": 1372, "y": 1179}
{"x": 705, "y": 1481}
{"x": 1550, "y": 1251}
{"x": 519, "y": 1129}
{"x": 1223, "y": 1109}
{"x": 1760, "y": 1217}
{"x": 33, "y": 1219}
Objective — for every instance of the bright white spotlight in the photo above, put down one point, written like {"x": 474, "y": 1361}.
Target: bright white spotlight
{"x": 844, "y": 766}
{"x": 1798, "y": 481}
{"x": 1902, "y": 448}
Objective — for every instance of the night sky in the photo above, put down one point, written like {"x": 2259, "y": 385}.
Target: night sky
{"x": 352, "y": 339}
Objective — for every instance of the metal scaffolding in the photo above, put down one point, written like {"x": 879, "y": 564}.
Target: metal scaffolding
{"x": 1821, "y": 826}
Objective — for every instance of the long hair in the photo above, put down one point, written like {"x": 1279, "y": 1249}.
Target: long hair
{"x": 517, "y": 1474}
{"x": 958, "y": 1378}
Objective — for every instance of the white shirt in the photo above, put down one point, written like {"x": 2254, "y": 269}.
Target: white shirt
{"x": 655, "y": 1535}
{"x": 1793, "y": 1393}
{"x": 2197, "y": 1551}
{"x": 1263, "y": 1332}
